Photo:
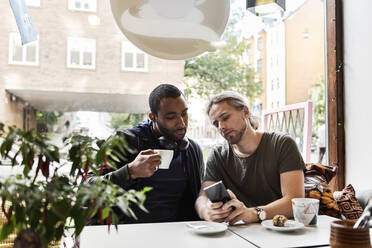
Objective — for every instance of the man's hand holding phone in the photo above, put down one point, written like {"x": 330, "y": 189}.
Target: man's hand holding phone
{"x": 218, "y": 196}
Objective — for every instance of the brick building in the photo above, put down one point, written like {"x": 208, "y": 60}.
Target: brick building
{"x": 81, "y": 62}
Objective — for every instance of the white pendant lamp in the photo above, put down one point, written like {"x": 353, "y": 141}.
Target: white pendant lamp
{"x": 172, "y": 29}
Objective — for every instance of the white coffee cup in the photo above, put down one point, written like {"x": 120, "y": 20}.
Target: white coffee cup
{"x": 166, "y": 158}
{"x": 305, "y": 210}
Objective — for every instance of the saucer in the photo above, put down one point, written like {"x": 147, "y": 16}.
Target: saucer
{"x": 290, "y": 225}
{"x": 206, "y": 227}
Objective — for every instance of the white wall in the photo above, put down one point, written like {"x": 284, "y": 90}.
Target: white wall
{"x": 358, "y": 92}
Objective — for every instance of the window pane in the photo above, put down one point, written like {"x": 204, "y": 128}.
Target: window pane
{"x": 260, "y": 43}
{"x": 31, "y": 53}
{"x": 86, "y": 5}
{"x": 249, "y": 49}
{"x": 140, "y": 60}
{"x": 75, "y": 58}
{"x": 128, "y": 63}
{"x": 259, "y": 65}
{"x": 77, "y": 4}
{"x": 87, "y": 58}
{"x": 17, "y": 53}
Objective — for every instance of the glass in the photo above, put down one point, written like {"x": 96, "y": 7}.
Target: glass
{"x": 31, "y": 53}
{"x": 128, "y": 60}
{"x": 87, "y": 58}
{"x": 140, "y": 60}
{"x": 75, "y": 58}
{"x": 17, "y": 53}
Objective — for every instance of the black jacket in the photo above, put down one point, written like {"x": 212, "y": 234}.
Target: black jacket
{"x": 141, "y": 138}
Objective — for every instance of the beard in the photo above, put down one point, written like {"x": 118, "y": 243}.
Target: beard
{"x": 235, "y": 139}
{"x": 168, "y": 134}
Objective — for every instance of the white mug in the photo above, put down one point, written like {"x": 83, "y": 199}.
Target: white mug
{"x": 305, "y": 210}
{"x": 166, "y": 158}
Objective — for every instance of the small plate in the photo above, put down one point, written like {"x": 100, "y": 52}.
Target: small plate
{"x": 290, "y": 225}
{"x": 206, "y": 227}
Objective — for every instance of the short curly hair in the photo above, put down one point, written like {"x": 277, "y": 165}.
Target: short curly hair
{"x": 160, "y": 92}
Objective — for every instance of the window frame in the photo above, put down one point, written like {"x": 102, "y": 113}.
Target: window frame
{"x": 80, "y": 65}
{"x": 134, "y": 50}
{"x": 17, "y": 36}
{"x": 335, "y": 90}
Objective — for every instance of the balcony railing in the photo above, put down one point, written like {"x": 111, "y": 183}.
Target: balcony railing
{"x": 296, "y": 120}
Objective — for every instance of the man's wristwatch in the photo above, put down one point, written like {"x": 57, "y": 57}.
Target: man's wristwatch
{"x": 261, "y": 214}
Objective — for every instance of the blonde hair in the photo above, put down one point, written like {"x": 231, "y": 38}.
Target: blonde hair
{"x": 235, "y": 100}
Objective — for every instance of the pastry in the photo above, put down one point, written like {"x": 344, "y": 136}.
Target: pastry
{"x": 279, "y": 220}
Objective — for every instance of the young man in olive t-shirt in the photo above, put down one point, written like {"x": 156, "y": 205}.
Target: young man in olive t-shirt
{"x": 262, "y": 170}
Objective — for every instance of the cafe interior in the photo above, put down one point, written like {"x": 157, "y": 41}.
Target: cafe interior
{"x": 340, "y": 190}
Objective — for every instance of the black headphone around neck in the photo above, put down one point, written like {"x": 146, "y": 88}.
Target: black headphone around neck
{"x": 178, "y": 145}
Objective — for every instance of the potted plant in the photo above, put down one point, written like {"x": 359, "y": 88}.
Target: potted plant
{"x": 46, "y": 200}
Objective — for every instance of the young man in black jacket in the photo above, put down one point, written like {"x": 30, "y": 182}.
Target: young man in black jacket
{"x": 174, "y": 190}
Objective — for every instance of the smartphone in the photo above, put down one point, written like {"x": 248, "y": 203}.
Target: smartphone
{"x": 217, "y": 192}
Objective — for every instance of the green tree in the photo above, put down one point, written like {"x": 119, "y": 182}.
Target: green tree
{"x": 224, "y": 69}
{"x": 121, "y": 121}
{"x": 46, "y": 120}
{"x": 318, "y": 99}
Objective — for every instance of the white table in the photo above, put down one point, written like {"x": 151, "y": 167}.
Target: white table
{"x": 177, "y": 234}
{"x": 162, "y": 235}
{"x": 306, "y": 237}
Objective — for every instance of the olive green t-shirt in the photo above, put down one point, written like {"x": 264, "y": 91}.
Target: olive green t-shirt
{"x": 255, "y": 180}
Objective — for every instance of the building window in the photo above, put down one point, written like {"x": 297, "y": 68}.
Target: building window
{"x": 277, "y": 83}
{"x": 23, "y": 55}
{"x": 83, "y": 5}
{"x": 81, "y": 53}
{"x": 259, "y": 65}
{"x": 260, "y": 84}
{"x": 133, "y": 59}
{"x": 249, "y": 49}
{"x": 260, "y": 44}
{"x": 35, "y": 3}
{"x": 272, "y": 85}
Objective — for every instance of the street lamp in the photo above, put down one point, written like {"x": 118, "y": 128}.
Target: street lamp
{"x": 265, "y": 7}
